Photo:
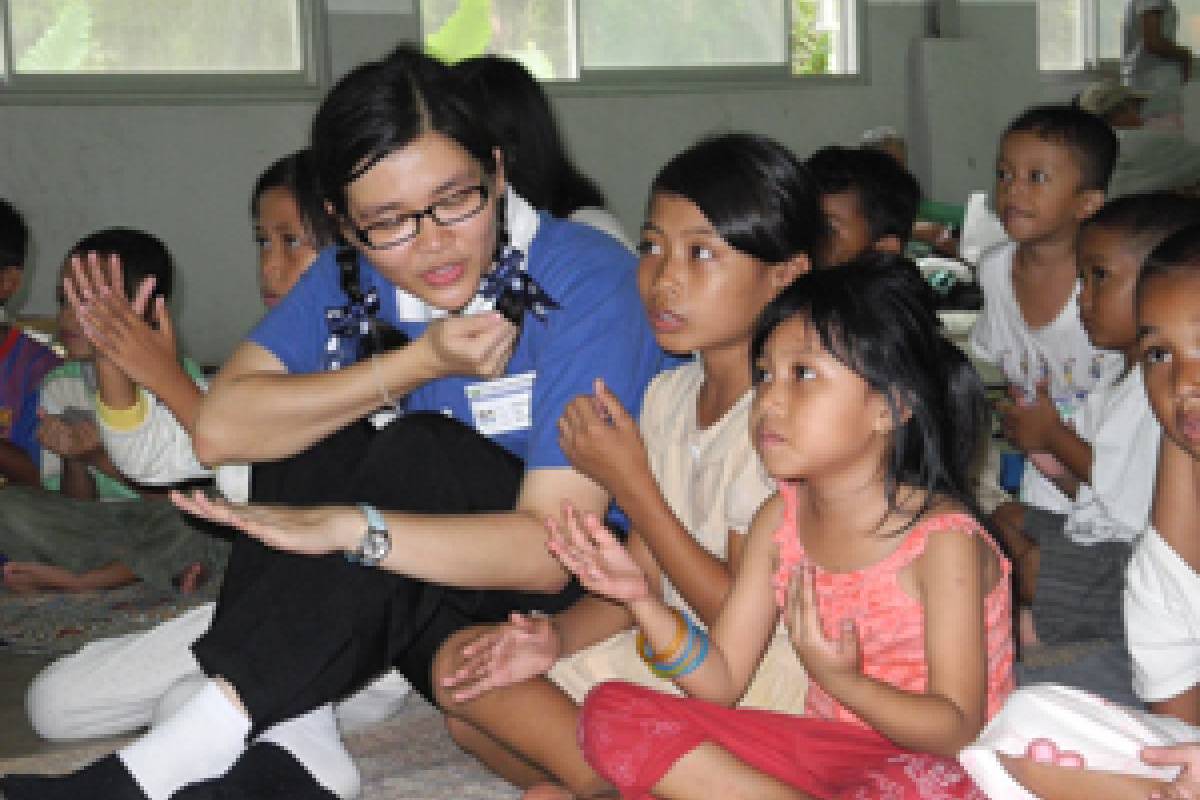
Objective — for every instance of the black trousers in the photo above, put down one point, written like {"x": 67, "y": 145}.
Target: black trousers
{"x": 292, "y": 632}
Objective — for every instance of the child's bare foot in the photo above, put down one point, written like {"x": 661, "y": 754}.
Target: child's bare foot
{"x": 192, "y": 577}
{"x": 547, "y": 791}
{"x": 1027, "y": 632}
{"x": 23, "y": 577}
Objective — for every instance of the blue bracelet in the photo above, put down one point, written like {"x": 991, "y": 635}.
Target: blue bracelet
{"x": 687, "y": 650}
{"x": 700, "y": 656}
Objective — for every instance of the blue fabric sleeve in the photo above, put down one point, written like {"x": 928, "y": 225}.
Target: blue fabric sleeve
{"x": 600, "y": 331}
{"x": 293, "y": 330}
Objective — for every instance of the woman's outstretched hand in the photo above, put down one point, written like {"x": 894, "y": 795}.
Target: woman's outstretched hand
{"x": 589, "y": 550}
{"x": 308, "y": 531}
{"x": 523, "y": 648}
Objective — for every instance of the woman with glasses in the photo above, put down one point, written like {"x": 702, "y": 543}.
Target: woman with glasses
{"x": 387, "y": 532}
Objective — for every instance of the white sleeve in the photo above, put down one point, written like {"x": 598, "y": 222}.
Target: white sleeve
{"x": 1162, "y": 623}
{"x": 986, "y": 340}
{"x": 1115, "y": 504}
{"x": 156, "y": 452}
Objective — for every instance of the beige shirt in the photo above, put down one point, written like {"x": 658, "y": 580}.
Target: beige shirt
{"x": 714, "y": 483}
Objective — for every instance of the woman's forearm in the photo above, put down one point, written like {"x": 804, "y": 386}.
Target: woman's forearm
{"x": 256, "y": 411}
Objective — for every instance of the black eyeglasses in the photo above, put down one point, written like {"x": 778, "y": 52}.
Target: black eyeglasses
{"x": 395, "y": 230}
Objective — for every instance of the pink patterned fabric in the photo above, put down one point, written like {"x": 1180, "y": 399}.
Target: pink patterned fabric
{"x": 891, "y": 624}
{"x": 632, "y": 736}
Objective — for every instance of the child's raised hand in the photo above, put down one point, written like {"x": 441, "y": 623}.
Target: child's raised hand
{"x": 589, "y": 550}
{"x": 602, "y": 441}
{"x": 117, "y": 325}
{"x": 1029, "y": 423}
{"x": 1187, "y": 785}
{"x": 825, "y": 659}
{"x": 67, "y": 438}
{"x": 523, "y": 648}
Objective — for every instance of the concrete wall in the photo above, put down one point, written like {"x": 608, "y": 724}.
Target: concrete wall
{"x": 184, "y": 172}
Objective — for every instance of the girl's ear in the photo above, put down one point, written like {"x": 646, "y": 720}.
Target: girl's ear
{"x": 783, "y": 273}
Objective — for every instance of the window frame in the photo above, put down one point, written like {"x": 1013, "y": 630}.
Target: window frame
{"x": 120, "y": 88}
{"x": 1093, "y": 67}
{"x": 700, "y": 79}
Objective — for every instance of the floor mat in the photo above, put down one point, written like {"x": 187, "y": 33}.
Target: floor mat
{"x": 55, "y": 623}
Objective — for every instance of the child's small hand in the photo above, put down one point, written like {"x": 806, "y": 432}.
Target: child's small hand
{"x": 593, "y": 554}
{"x": 601, "y": 440}
{"x": 68, "y": 438}
{"x": 117, "y": 325}
{"x": 825, "y": 659}
{"x": 1048, "y": 465}
{"x": 1030, "y": 425}
{"x": 1187, "y": 785}
{"x": 525, "y": 647}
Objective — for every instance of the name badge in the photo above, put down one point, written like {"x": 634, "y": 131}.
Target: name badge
{"x": 503, "y": 405}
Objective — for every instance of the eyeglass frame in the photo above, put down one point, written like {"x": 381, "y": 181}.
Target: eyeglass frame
{"x": 361, "y": 234}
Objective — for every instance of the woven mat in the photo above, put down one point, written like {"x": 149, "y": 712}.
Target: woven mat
{"x": 55, "y": 623}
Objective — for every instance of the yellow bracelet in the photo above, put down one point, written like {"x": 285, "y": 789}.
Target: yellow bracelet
{"x": 672, "y": 652}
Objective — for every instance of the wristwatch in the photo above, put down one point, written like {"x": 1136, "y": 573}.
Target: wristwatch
{"x": 376, "y": 542}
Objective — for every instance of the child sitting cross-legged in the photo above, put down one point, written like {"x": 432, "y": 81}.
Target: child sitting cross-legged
{"x": 895, "y": 598}
{"x": 1077, "y": 575}
{"x": 1060, "y": 743}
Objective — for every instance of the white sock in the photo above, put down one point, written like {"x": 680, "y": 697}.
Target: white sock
{"x": 314, "y": 741}
{"x": 200, "y": 741}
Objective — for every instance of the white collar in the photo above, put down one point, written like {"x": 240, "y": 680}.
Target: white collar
{"x": 522, "y": 222}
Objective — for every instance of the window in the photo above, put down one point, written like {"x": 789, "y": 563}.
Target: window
{"x": 149, "y": 46}
{"x": 1079, "y": 34}
{"x": 593, "y": 41}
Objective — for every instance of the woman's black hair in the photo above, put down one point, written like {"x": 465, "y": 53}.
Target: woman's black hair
{"x": 383, "y": 106}
{"x": 294, "y": 173}
{"x": 758, "y": 196}
{"x": 876, "y": 315}
{"x": 535, "y": 158}
{"x": 142, "y": 255}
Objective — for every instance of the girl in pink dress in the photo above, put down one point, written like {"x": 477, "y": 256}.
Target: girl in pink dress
{"x": 895, "y": 598}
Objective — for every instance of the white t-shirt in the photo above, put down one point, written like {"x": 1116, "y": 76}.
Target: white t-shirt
{"x": 1124, "y": 434}
{"x": 1059, "y": 354}
{"x": 1141, "y": 69}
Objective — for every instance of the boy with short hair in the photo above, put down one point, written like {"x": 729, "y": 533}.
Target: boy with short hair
{"x": 23, "y": 362}
{"x": 869, "y": 200}
{"x": 65, "y": 540}
{"x": 1053, "y": 166}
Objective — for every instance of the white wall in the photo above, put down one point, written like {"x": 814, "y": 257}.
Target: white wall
{"x": 184, "y": 172}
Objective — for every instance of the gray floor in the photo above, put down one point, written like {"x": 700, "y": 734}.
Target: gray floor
{"x": 16, "y": 737}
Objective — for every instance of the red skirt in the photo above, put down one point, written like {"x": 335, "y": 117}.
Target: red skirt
{"x": 632, "y": 736}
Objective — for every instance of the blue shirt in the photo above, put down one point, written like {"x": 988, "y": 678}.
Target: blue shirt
{"x": 600, "y": 330}
{"x": 23, "y": 365}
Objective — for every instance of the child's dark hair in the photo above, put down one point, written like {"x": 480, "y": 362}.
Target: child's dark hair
{"x": 14, "y": 236}
{"x": 1178, "y": 253}
{"x": 758, "y": 196}
{"x": 535, "y": 158}
{"x": 383, "y": 106}
{"x": 1090, "y": 139}
{"x": 294, "y": 173}
{"x": 877, "y": 317}
{"x": 888, "y": 195}
{"x": 1144, "y": 220}
{"x": 142, "y": 255}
